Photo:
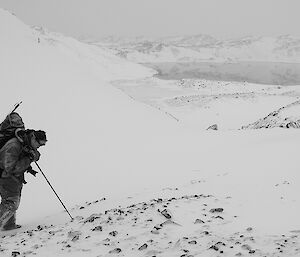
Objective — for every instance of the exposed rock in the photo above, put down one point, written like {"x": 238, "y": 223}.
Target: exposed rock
{"x": 143, "y": 247}
{"x": 113, "y": 233}
{"x": 166, "y": 214}
{"x": 246, "y": 247}
{"x": 116, "y": 250}
{"x": 92, "y": 218}
{"x": 213, "y": 127}
{"x": 74, "y": 235}
{"x": 214, "y": 247}
{"x": 285, "y": 117}
{"x": 97, "y": 228}
{"x": 216, "y": 210}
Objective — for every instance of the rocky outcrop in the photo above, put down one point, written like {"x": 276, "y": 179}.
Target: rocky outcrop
{"x": 285, "y": 117}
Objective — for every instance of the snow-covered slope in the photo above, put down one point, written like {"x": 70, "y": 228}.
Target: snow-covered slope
{"x": 64, "y": 89}
{"x": 202, "y": 48}
{"x": 285, "y": 117}
{"x": 104, "y": 144}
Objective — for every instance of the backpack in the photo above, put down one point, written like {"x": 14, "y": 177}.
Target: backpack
{"x": 8, "y": 127}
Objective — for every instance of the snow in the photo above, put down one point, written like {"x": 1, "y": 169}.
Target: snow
{"x": 124, "y": 146}
{"x": 203, "y": 48}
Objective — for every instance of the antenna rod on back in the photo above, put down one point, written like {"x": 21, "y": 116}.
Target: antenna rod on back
{"x": 16, "y": 106}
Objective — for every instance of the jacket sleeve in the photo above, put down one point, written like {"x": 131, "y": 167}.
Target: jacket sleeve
{"x": 14, "y": 163}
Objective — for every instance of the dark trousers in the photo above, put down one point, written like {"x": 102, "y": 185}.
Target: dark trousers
{"x": 10, "y": 191}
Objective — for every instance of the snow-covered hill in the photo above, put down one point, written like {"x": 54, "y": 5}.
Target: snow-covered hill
{"x": 118, "y": 164}
{"x": 285, "y": 117}
{"x": 202, "y": 48}
{"x": 64, "y": 88}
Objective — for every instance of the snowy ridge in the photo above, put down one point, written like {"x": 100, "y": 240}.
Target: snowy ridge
{"x": 200, "y": 48}
{"x": 285, "y": 117}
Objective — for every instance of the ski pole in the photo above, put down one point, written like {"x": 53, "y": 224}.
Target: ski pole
{"x": 53, "y": 190}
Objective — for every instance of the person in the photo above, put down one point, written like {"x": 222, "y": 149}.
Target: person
{"x": 16, "y": 157}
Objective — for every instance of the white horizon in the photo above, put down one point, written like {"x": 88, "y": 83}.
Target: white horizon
{"x": 222, "y": 20}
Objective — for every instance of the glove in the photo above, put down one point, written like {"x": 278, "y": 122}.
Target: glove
{"x": 32, "y": 171}
{"x": 34, "y": 155}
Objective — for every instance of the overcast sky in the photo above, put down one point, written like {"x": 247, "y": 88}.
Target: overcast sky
{"x": 219, "y": 18}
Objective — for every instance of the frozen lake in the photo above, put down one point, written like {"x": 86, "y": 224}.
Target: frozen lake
{"x": 253, "y": 72}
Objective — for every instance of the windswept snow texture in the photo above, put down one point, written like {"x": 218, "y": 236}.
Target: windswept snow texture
{"x": 181, "y": 225}
{"x": 202, "y": 103}
{"x": 132, "y": 160}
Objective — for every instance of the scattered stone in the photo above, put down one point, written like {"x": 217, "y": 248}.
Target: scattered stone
{"x": 74, "y": 235}
{"x": 154, "y": 231}
{"x": 213, "y": 127}
{"x": 113, "y": 233}
{"x": 197, "y": 221}
{"x": 220, "y": 243}
{"x": 249, "y": 229}
{"x": 92, "y": 218}
{"x": 216, "y": 210}
{"x": 29, "y": 232}
{"x": 39, "y": 228}
{"x": 97, "y": 228}
{"x": 168, "y": 222}
{"x": 28, "y": 252}
{"x": 193, "y": 242}
{"x": 166, "y": 214}
{"x": 116, "y": 250}
{"x": 252, "y": 251}
{"x": 214, "y": 247}
{"x": 79, "y": 218}
{"x": 219, "y": 217}
{"x": 15, "y": 253}
{"x": 143, "y": 247}
{"x": 75, "y": 238}
{"x": 246, "y": 247}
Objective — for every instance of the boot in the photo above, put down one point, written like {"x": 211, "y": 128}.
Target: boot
{"x": 6, "y": 214}
{"x": 11, "y": 227}
{"x": 11, "y": 224}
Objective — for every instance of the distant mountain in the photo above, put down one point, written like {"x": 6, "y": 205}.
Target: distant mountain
{"x": 204, "y": 48}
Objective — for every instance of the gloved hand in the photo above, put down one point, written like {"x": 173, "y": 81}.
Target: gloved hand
{"x": 32, "y": 171}
{"x": 34, "y": 155}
